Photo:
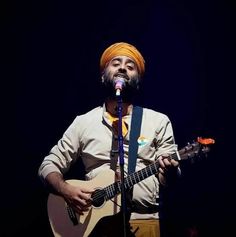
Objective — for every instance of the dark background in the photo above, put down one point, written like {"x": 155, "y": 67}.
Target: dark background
{"x": 50, "y": 73}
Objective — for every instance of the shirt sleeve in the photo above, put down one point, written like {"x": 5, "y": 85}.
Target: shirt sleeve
{"x": 64, "y": 153}
{"x": 165, "y": 138}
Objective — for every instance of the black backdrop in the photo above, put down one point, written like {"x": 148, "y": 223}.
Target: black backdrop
{"x": 50, "y": 69}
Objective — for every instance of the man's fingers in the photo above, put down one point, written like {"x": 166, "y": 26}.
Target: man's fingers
{"x": 174, "y": 163}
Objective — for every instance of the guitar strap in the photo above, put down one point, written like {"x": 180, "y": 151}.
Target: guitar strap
{"x": 136, "y": 121}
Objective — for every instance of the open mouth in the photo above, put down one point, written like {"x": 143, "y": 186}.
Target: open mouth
{"x": 124, "y": 76}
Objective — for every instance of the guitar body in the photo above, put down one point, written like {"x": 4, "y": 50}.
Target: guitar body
{"x": 62, "y": 225}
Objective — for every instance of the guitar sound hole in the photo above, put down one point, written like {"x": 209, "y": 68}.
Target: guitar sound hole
{"x": 98, "y": 198}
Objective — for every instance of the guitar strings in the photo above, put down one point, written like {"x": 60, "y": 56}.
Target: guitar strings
{"x": 111, "y": 190}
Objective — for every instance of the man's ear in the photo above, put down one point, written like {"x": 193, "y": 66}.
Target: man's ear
{"x": 103, "y": 78}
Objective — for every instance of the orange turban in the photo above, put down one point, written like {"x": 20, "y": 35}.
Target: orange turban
{"x": 122, "y": 49}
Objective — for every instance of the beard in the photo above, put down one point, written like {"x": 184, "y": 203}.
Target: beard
{"x": 129, "y": 90}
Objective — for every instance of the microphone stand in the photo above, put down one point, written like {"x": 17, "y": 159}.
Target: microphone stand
{"x": 121, "y": 159}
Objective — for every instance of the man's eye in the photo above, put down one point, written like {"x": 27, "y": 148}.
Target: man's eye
{"x": 130, "y": 68}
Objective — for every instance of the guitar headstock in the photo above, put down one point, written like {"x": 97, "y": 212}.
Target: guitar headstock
{"x": 205, "y": 141}
{"x": 196, "y": 149}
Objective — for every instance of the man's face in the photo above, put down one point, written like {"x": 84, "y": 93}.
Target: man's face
{"x": 122, "y": 67}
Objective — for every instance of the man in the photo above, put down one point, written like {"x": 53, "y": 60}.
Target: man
{"x": 93, "y": 138}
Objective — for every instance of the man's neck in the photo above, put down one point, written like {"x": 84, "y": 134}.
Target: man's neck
{"x": 111, "y": 107}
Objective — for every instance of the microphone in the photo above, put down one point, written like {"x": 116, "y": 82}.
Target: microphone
{"x": 119, "y": 83}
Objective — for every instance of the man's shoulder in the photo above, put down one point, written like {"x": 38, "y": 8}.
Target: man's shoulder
{"x": 91, "y": 114}
{"x": 154, "y": 113}
{"x": 97, "y": 110}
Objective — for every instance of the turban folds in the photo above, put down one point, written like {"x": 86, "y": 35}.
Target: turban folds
{"x": 122, "y": 49}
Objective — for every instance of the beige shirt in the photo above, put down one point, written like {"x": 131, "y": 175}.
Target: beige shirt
{"x": 91, "y": 138}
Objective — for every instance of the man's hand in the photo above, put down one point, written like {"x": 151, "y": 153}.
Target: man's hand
{"x": 168, "y": 169}
{"x": 78, "y": 198}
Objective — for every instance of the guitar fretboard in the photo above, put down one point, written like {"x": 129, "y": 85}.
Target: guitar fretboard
{"x": 134, "y": 178}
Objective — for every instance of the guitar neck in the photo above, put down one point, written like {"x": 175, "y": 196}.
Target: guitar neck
{"x": 134, "y": 178}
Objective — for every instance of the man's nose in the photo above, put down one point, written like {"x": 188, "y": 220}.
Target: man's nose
{"x": 122, "y": 69}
